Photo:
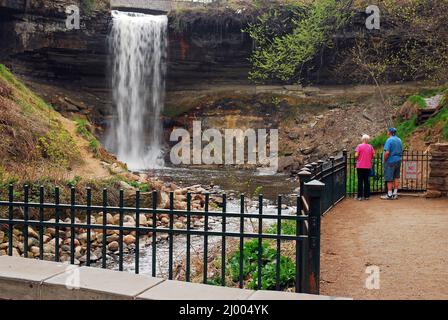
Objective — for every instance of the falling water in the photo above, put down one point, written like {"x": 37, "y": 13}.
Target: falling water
{"x": 138, "y": 49}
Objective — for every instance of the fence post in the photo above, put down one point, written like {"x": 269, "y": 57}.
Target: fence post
{"x": 332, "y": 181}
{"x": 313, "y": 190}
{"x": 302, "y": 278}
{"x": 313, "y": 168}
{"x": 344, "y": 154}
{"x": 320, "y": 168}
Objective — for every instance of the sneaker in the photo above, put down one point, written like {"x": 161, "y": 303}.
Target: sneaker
{"x": 395, "y": 196}
{"x": 387, "y": 197}
{"x": 358, "y": 198}
{"x": 367, "y": 198}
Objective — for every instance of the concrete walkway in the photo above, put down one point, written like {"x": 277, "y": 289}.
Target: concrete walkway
{"x": 407, "y": 239}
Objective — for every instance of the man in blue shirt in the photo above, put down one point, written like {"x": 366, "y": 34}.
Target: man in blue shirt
{"x": 393, "y": 150}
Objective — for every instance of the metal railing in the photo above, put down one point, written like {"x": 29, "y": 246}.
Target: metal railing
{"x": 40, "y": 223}
{"x": 413, "y": 177}
{"x": 333, "y": 174}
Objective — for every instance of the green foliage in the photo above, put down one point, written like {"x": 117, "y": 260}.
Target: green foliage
{"x": 268, "y": 269}
{"x": 379, "y": 141}
{"x": 88, "y": 5}
{"x": 440, "y": 118}
{"x": 406, "y": 128}
{"x": 418, "y": 100}
{"x": 288, "y": 227}
{"x": 94, "y": 147}
{"x": 59, "y": 147}
{"x": 258, "y": 190}
{"x": 418, "y": 23}
{"x": 10, "y": 78}
{"x": 445, "y": 131}
{"x": 428, "y": 93}
{"x": 23, "y": 96}
{"x": 143, "y": 187}
{"x": 82, "y": 128}
{"x": 74, "y": 182}
{"x": 269, "y": 275}
{"x": 286, "y": 42}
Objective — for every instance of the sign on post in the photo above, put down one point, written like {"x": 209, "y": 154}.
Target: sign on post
{"x": 410, "y": 170}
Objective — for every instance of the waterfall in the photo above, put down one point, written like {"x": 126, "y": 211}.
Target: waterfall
{"x": 138, "y": 49}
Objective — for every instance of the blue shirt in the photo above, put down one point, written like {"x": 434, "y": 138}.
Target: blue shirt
{"x": 395, "y": 148}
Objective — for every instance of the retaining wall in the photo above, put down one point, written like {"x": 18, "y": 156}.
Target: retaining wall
{"x": 438, "y": 171}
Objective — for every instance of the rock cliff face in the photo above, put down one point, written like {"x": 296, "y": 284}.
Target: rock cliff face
{"x": 57, "y": 61}
{"x": 70, "y": 67}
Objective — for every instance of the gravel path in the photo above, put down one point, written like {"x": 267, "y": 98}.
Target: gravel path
{"x": 407, "y": 239}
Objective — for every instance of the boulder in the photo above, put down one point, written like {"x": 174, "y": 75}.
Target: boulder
{"x": 285, "y": 162}
{"x": 129, "y": 239}
{"x": 113, "y": 246}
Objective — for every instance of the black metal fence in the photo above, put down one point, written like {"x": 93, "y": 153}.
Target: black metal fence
{"x": 413, "y": 177}
{"x": 333, "y": 174}
{"x": 45, "y": 228}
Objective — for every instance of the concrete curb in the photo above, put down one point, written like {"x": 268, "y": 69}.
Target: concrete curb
{"x": 31, "y": 279}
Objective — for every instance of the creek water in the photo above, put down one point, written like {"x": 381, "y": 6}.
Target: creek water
{"x": 233, "y": 182}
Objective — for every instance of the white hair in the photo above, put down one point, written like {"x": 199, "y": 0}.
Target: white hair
{"x": 365, "y": 138}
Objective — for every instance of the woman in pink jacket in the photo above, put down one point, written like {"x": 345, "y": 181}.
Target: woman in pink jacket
{"x": 364, "y": 154}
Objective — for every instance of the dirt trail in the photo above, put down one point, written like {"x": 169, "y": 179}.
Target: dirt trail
{"x": 91, "y": 168}
{"x": 407, "y": 239}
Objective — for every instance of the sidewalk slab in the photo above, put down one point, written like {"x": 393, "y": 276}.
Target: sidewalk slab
{"x": 177, "y": 290}
{"x": 89, "y": 283}
{"x": 20, "y": 278}
{"x": 279, "y": 295}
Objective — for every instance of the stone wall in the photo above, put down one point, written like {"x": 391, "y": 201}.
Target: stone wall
{"x": 438, "y": 174}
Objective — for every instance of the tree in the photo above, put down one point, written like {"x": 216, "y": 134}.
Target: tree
{"x": 287, "y": 38}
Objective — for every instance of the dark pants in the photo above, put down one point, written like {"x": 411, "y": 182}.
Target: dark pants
{"x": 363, "y": 183}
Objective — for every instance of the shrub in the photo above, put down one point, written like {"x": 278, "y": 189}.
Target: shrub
{"x": 288, "y": 37}
{"x": 58, "y": 146}
{"x": 268, "y": 269}
{"x": 288, "y": 228}
{"x": 269, "y": 275}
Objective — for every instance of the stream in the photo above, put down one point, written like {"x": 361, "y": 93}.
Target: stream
{"x": 232, "y": 182}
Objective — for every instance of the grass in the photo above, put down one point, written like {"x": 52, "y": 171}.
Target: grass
{"x": 418, "y": 100}
{"x": 83, "y": 129}
{"x": 440, "y": 119}
{"x": 33, "y": 137}
{"x": 431, "y": 92}
{"x": 288, "y": 227}
{"x": 22, "y": 95}
{"x": 404, "y": 131}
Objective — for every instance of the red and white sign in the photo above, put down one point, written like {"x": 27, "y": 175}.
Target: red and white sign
{"x": 410, "y": 169}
